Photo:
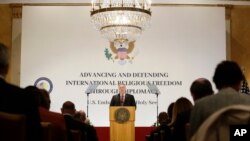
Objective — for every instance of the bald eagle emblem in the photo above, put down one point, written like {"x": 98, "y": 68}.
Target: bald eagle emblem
{"x": 120, "y": 52}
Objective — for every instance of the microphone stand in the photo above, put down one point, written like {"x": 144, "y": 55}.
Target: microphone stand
{"x": 154, "y": 90}
{"x": 90, "y": 90}
{"x": 157, "y": 107}
{"x": 88, "y": 105}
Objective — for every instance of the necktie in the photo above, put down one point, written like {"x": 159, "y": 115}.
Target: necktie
{"x": 122, "y": 100}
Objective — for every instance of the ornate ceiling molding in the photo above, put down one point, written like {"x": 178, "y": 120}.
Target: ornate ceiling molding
{"x": 16, "y": 11}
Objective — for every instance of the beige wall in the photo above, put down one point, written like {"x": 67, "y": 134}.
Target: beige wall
{"x": 239, "y": 40}
{"x": 6, "y": 27}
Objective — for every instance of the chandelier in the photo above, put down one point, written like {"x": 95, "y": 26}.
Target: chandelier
{"x": 121, "y": 21}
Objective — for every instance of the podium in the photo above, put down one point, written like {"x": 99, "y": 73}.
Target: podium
{"x": 122, "y": 123}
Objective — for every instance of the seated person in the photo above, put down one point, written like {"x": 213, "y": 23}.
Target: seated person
{"x": 170, "y": 111}
{"x": 68, "y": 110}
{"x": 56, "y": 119}
{"x": 200, "y": 88}
{"x": 16, "y": 100}
{"x": 181, "y": 114}
{"x": 163, "y": 121}
{"x": 81, "y": 116}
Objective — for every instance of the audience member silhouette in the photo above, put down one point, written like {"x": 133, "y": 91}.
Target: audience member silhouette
{"x": 170, "y": 112}
{"x": 227, "y": 78}
{"x": 81, "y": 116}
{"x": 200, "y": 88}
{"x": 57, "y": 119}
{"x": 17, "y": 101}
{"x": 181, "y": 115}
{"x": 163, "y": 121}
{"x": 68, "y": 110}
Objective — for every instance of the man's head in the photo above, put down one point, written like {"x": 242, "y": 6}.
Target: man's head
{"x": 81, "y": 116}
{"x": 228, "y": 74}
{"x": 45, "y": 99}
{"x": 201, "y": 87}
{"x": 42, "y": 96}
{"x": 68, "y": 108}
{"x": 4, "y": 60}
{"x": 122, "y": 88}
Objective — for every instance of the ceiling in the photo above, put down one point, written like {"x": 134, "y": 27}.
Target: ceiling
{"x": 234, "y": 2}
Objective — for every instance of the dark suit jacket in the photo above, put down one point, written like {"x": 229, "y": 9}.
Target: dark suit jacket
{"x": 73, "y": 124}
{"x": 129, "y": 100}
{"x": 16, "y": 100}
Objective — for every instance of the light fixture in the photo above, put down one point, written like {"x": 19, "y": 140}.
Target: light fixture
{"x": 121, "y": 21}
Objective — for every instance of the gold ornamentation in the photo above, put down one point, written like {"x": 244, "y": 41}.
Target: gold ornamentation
{"x": 16, "y": 11}
{"x": 122, "y": 115}
{"x": 121, "y": 21}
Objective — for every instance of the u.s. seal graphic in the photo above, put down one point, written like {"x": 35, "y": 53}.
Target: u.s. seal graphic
{"x": 122, "y": 51}
{"x": 122, "y": 115}
{"x": 44, "y": 83}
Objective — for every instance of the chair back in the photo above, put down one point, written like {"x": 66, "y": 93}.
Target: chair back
{"x": 187, "y": 131}
{"x": 147, "y": 137}
{"x": 162, "y": 135}
{"x": 217, "y": 126}
{"x": 12, "y": 127}
{"x": 47, "y": 131}
{"x": 156, "y": 136}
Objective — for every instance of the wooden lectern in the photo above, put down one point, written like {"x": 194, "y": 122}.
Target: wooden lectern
{"x": 122, "y": 123}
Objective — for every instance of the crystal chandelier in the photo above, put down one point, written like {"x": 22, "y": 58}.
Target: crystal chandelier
{"x": 121, "y": 21}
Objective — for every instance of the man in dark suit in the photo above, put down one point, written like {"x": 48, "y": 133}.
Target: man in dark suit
{"x": 18, "y": 101}
{"x": 88, "y": 132}
{"x": 122, "y": 99}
